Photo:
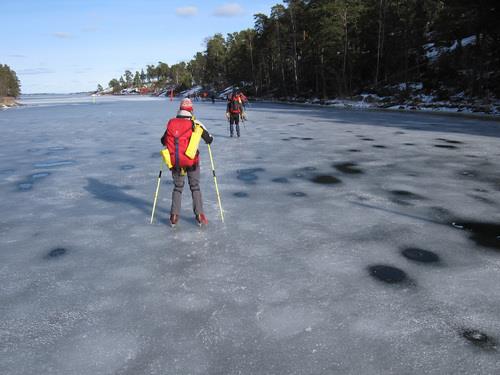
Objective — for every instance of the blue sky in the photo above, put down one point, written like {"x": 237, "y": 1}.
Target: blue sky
{"x": 72, "y": 45}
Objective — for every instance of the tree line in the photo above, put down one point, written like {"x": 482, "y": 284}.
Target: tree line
{"x": 9, "y": 83}
{"x": 157, "y": 77}
{"x": 325, "y": 48}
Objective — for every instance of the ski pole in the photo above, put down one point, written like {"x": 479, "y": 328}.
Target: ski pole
{"x": 215, "y": 182}
{"x": 156, "y": 193}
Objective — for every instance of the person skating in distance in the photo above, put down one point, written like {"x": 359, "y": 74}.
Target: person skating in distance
{"x": 234, "y": 110}
{"x": 181, "y": 139}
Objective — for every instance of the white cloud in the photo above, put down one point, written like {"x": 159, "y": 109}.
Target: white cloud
{"x": 61, "y": 35}
{"x": 229, "y": 10}
{"x": 186, "y": 11}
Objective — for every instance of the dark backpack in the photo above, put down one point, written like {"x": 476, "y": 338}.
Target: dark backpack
{"x": 235, "y": 106}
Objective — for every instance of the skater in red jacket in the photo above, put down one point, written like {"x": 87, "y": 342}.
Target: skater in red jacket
{"x": 181, "y": 139}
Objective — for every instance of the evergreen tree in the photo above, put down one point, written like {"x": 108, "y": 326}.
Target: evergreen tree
{"x": 9, "y": 83}
{"x": 215, "y": 72}
{"x": 137, "y": 80}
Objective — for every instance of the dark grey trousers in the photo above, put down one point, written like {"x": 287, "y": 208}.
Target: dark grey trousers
{"x": 194, "y": 185}
{"x": 234, "y": 118}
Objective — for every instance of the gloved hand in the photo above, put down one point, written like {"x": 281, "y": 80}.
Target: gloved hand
{"x": 227, "y": 115}
{"x": 210, "y": 140}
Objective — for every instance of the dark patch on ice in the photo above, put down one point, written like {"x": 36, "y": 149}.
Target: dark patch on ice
{"x": 251, "y": 170}
{"x": 479, "y": 339}
{"x": 300, "y": 138}
{"x": 367, "y": 139}
{"x": 27, "y": 184}
{"x": 349, "y": 168}
{"x": 387, "y": 274}
{"x": 420, "y": 255}
{"x": 240, "y": 194}
{"x": 106, "y": 152}
{"x": 471, "y": 156}
{"x": 451, "y": 147}
{"x": 54, "y": 164}
{"x": 409, "y": 144}
{"x": 481, "y": 190}
{"x": 155, "y": 155}
{"x": 449, "y": 141}
{"x": 405, "y": 194}
{"x": 248, "y": 175}
{"x": 281, "y": 180}
{"x": 484, "y": 234}
{"x": 468, "y": 173}
{"x": 285, "y": 139}
{"x": 6, "y": 171}
{"x": 354, "y": 150}
{"x": 399, "y": 132}
{"x": 309, "y": 168}
{"x": 298, "y": 194}
{"x": 56, "y": 253}
{"x": 379, "y": 146}
{"x": 24, "y": 186}
{"x": 325, "y": 179}
{"x": 127, "y": 167}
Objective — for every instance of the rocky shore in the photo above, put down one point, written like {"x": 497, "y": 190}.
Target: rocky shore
{"x": 8, "y": 101}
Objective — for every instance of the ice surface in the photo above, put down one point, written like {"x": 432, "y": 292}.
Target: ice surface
{"x": 392, "y": 269}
